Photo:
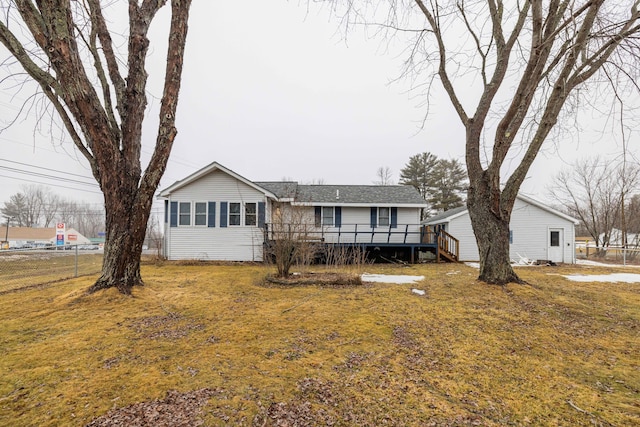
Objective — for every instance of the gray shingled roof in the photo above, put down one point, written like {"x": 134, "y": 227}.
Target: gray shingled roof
{"x": 282, "y": 189}
{"x": 345, "y": 194}
{"x": 444, "y": 215}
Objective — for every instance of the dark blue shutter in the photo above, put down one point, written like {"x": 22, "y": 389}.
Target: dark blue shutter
{"x": 338, "y": 215}
{"x": 394, "y": 217}
{"x": 261, "y": 214}
{"x": 211, "y": 220}
{"x": 223, "y": 214}
{"x": 166, "y": 211}
{"x": 374, "y": 217}
{"x": 174, "y": 214}
{"x": 318, "y": 216}
{"x": 510, "y": 237}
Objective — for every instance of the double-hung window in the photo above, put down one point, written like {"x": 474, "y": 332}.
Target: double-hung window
{"x": 250, "y": 214}
{"x": 234, "y": 213}
{"x": 201, "y": 213}
{"x": 327, "y": 216}
{"x": 383, "y": 217}
{"x": 184, "y": 213}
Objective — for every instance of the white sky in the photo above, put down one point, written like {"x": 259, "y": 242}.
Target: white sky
{"x": 272, "y": 91}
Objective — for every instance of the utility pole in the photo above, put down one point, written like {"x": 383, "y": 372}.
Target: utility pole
{"x": 6, "y": 233}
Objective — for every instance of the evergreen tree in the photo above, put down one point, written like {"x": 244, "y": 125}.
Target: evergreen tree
{"x": 447, "y": 185}
{"x": 417, "y": 172}
{"x": 440, "y": 182}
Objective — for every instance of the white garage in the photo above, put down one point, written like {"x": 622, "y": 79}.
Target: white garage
{"x": 536, "y": 232}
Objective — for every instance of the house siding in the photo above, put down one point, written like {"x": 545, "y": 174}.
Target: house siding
{"x": 230, "y": 243}
{"x": 359, "y": 219}
{"x": 530, "y": 226}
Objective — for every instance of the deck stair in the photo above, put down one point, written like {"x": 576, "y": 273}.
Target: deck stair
{"x": 448, "y": 248}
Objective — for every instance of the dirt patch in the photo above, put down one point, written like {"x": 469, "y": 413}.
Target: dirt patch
{"x": 171, "y": 326}
{"x": 175, "y": 410}
{"x": 317, "y": 279}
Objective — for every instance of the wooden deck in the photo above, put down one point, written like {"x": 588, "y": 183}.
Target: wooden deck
{"x": 404, "y": 240}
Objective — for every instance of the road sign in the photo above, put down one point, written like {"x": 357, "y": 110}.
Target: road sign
{"x": 60, "y": 228}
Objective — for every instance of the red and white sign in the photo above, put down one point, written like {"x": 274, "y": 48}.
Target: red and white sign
{"x": 60, "y": 234}
{"x": 72, "y": 237}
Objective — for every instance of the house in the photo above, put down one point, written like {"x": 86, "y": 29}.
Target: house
{"x": 615, "y": 237}
{"x": 45, "y": 236}
{"x": 536, "y": 232}
{"x": 217, "y": 214}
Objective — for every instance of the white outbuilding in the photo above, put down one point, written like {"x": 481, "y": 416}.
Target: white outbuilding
{"x": 536, "y": 232}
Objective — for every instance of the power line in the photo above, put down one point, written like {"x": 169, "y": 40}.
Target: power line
{"x": 48, "y": 183}
{"x": 47, "y": 176}
{"x": 48, "y": 169}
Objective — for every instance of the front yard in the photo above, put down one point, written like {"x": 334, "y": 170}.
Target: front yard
{"x": 214, "y": 344}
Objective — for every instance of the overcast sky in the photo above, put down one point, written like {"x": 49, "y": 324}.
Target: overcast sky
{"x": 272, "y": 91}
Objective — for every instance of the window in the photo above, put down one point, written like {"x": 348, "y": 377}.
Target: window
{"x": 234, "y": 213}
{"x": 327, "y": 216}
{"x": 201, "y": 213}
{"x": 184, "y": 214}
{"x": 250, "y": 214}
{"x": 383, "y": 216}
{"x": 555, "y": 238}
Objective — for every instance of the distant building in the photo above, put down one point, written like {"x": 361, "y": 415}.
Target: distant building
{"x": 27, "y": 236}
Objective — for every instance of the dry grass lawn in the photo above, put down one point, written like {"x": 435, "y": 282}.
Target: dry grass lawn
{"x": 241, "y": 352}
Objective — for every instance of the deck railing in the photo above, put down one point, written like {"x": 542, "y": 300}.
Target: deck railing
{"x": 445, "y": 245}
{"x": 412, "y": 234}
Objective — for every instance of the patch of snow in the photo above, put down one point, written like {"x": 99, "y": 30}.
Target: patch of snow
{"x": 384, "y": 278}
{"x": 590, "y": 263}
{"x": 473, "y": 264}
{"x": 418, "y": 291}
{"x": 614, "y": 277}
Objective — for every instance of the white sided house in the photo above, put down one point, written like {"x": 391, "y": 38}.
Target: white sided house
{"x": 217, "y": 214}
{"x": 536, "y": 232}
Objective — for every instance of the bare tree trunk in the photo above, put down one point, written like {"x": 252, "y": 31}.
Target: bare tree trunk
{"x": 490, "y": 212}
{"x": 491, "y": 230}
{"x": 126, "y": 224}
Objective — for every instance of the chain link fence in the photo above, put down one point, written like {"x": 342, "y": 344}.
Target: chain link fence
{"x": 608, "y": 254}
{"x": 23, "y": 268}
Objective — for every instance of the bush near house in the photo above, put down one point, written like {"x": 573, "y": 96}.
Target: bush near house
{"x": 213, "y": 344}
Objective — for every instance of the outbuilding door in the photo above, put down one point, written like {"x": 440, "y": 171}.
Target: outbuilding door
{"x": 555, "y": 251}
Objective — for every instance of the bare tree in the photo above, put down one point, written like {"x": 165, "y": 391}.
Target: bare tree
{"x": 508, "y": 69}
{"x": 34, "y": 196}
{"x": 51, "y": 204}
{"x": 155, "y": 238}
{"x": 594, "y": 191}
{"x": 384, "y": 175}
{"x": 66, "y": 47}
{"x": 88, "y": 220}
{"x": 589, "y": 193}
{"x": 291, "y": 238}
